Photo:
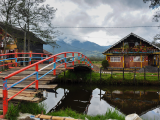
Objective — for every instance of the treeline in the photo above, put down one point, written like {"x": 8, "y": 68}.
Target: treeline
{"x": 97, "y": 58}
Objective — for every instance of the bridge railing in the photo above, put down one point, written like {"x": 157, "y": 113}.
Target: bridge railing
{"x": 29, "y": 57}
{"x": 55, "y": 59}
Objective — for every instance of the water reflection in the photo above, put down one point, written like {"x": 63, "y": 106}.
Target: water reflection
{"x": 93, "y": 100}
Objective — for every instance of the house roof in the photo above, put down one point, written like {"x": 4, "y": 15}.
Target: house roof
{"x": 46, "y": 52}
{"x": 19, "y": 33}
{"x": 126, "y": 38}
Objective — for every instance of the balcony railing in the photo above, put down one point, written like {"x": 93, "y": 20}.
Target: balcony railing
{"x": 133, "y": 50}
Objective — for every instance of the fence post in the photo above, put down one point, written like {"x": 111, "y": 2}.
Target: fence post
{"x": 65, "y": 60}
{"x": 134, "y": 74}
{"x": 123, "y": 73}
{"x": 73, "y": 59}
{"x": 36, "y": 76}
{"x": 144, "y": 73}
{"x": 100, "y": 74}
{"x": 5, "y": 96}
{"x": 78, "y": 58}
{"x": 54, "y": 65}
{"x": 111, "y": 72}
{"x": 158, "y": 73}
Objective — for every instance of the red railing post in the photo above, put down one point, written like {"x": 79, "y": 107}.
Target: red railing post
{"x": 82, "y": 58}
{"x": 65, "y": 55}
{"x": 36, "y": 67}
{"x": 5, "y": 97}
{"x": 16, "y": 58}
{"x": 54, "y": 60}
{"x": 78, "y": 58}
{"x": 30, "y": 55}
{"x": 88, "y": 62}
{"x": 73, "y": 59}
{"x": 42, "y": 57}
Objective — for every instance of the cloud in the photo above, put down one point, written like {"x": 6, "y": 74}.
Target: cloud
{"x": 103, "y": 13}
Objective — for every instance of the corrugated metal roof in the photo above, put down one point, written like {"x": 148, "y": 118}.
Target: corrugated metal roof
{"x": 127, "y": 37}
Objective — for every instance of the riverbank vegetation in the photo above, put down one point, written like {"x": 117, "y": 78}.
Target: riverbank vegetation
{"x": 108, "y": 115}
{"x": 24, "y": 107}
{"x": 108, "y": 78}
{"x": 35, "y": 109}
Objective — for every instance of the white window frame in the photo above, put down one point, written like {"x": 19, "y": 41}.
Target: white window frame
{"x": 115, "y": 59}
{"x": 140, "y": 59}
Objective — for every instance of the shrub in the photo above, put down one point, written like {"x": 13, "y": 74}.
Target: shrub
{"x": 105, "y": 64}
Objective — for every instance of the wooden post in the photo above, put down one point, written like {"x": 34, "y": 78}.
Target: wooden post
{"x": 141, "y": 60}
{"x": 106, "y": 57}
{"x": 100, "y": 74}
{"x": 123, "y": 61}
{"x": 123, "y": 73}
{"x": 156, "y": 59}
{"x": 144, "y": 72}
{"x": 134, "y": 74}
{"x": 158, "y": 73}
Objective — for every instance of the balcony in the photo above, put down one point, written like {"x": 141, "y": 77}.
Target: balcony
{"x": 133, "y": 50}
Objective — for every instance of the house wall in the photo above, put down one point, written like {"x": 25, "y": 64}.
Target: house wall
{"x": 115, "y": 64}
{"x": 128, "y": 62}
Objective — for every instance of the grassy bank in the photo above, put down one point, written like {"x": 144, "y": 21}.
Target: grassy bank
{"x": 34, "y": 108}
{"x": 24, "y": 107}
{"x": 110, "y": 79}
{"x": 108, "y": 115}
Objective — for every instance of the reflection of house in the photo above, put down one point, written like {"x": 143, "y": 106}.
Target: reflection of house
{"x": 78, "y": 100}
{"x": 132, "y": 101}
{"x": 132, "y": 51}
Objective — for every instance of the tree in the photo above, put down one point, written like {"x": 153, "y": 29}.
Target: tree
{"x": 6, "y": 13}
{"x": 38, "y": 19}
{"x": 155, "y": 4}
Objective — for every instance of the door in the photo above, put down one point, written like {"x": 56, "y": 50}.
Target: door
{"x": 126, "y": 61}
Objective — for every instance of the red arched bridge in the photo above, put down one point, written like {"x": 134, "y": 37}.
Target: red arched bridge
{"x": 53, "y": 62}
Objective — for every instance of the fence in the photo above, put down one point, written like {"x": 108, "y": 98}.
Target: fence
{"x": 132, "y": 74}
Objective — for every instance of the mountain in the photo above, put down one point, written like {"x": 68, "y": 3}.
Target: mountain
{"x": 87, "y": 48}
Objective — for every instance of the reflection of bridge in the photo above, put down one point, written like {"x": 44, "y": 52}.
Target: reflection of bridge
{"x": 129, "y": 102}
{"x": 36, "y": 73}
{"x": 78, "y": 100}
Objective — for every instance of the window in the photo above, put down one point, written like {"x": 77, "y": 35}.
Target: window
{"x": 138, "y": 58}
{"x": 115, "y": 59}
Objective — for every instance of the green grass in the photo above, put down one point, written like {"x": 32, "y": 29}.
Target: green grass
{"x": 108, "y": 115}
{"x": 112, "y": 79}
{"x": 25, "y": 107}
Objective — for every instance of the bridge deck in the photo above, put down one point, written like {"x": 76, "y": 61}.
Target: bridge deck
{"x": 28, "y": 94}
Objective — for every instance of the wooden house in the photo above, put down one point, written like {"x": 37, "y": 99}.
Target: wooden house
{"x": 132, "y": 51}
{"x": 16, "y": 35}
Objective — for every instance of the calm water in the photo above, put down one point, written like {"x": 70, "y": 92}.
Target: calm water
{"x": 93, "y": 100}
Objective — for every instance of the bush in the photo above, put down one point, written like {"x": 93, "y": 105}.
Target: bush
{"x": 105, "y": 64}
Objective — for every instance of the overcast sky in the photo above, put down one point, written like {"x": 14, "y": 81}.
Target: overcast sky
{"x": 103, "y": 13}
